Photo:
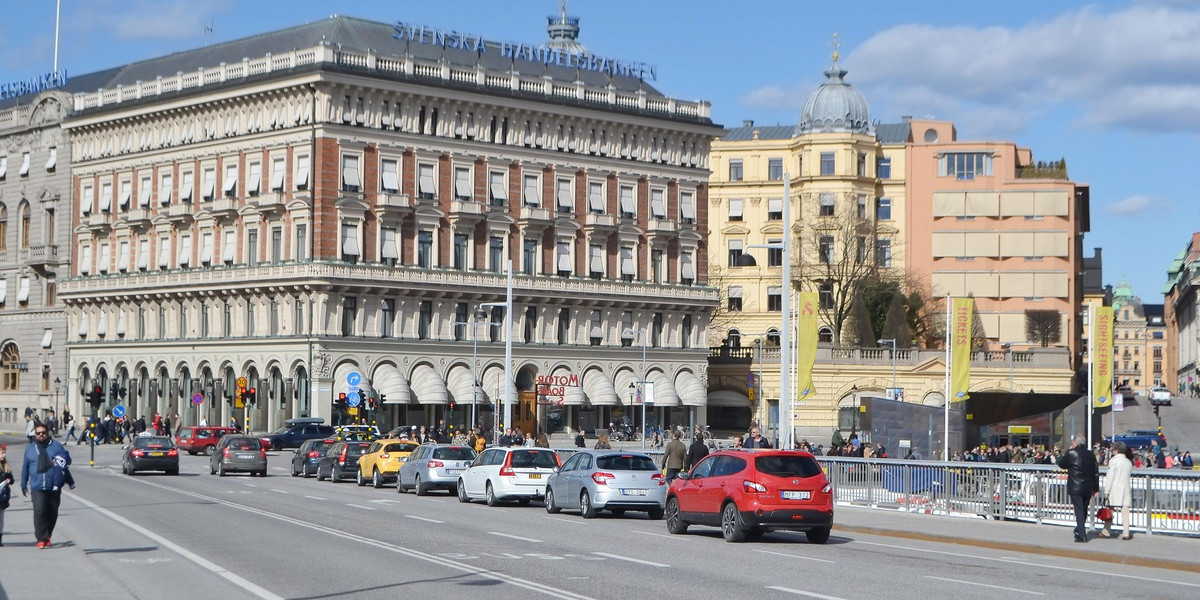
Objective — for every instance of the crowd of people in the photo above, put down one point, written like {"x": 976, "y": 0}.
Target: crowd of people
{"x": 1154, "y": 456}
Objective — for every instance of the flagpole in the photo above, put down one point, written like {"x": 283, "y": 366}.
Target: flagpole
{"x": 57, "y": 12}
{"x": 1091, "y": 369}
{"x": 946, "y": 407}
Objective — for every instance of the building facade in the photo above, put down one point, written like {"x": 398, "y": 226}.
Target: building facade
{"x": 1181, "y": 313}
{"x": 35, "y": 184}
{"x": 1139, "y": 341}
{"x": 346, "y": 202}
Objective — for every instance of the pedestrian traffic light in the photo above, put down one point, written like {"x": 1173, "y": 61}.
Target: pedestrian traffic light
{"x": 341, "y": 400}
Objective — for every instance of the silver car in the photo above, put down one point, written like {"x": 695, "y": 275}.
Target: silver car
{"x": 595, "y": 480}
{"x": 238, "y": 453}
{"x": 433, "y": 467}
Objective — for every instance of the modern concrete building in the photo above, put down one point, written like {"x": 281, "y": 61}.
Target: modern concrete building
{"x": 341, "y": 200}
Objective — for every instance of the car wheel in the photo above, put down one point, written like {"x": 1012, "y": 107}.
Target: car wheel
{"x": 320, "y": 477}
{"x": 420, "y": 488}
{"x": 551, "y": 507}
{"x": 618, "y": 512}
{"x": 334, "y": 476}
{"x": 358, "y": 478}
{"x": 208, "y": 450}
{"x": 262, "y": 473}
{"x": 523, "y": 501}
{"x": 124, "y": 468}
{"x": 211, "y": 469}
{"x": 376, "y": 479}
{"x": 585, "y": 505}
{"x": 818, "y": 536}
{"x": 295, "y": 471}
{"x": 655, "y": 514}
{"x": 304, "y": 472}
{"x": 732, "y": 527}
{"x": 490, "y": 496}
{"x": 220, "y": 470}
{"x": 675, "y": 522}
{"x": 462, "y": 492}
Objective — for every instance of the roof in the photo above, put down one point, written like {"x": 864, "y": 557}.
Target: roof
{"x": 893, "y": 133}
{"x": 347, "y": 33}
{"x": 767, "y": 132}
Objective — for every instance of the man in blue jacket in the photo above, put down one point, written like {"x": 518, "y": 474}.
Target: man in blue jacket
{"x": 46, "y": 469}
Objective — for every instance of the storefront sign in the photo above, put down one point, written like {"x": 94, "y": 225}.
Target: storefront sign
{"x": 553, "y": 387}
{"x": 33, "y": 85}
{"x": 449, "y": 38}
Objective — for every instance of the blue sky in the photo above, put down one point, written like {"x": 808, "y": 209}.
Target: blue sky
{"x": 1113, "y": 87}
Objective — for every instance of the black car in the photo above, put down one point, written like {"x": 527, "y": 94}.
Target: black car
{"x": 151, "y": 453}
{"x": 297, "y": 431}
{"x": 341, "y": 460}
{"x": 308, "y": 456}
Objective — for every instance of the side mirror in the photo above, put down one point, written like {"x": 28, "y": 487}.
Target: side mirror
{"x": 683, "y": 475}
{"x": 296, "y": 451}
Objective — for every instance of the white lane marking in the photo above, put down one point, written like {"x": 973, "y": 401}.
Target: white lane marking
{"x": 424, "y": 499}
{"x": 360, "y": 506}
{"x": 534, "y": 586}
{"x": 515, "y": 537}
{"x": 279, "y": 468}
{"x": 386, "y": 501}
{"x": 803, "y": 593}
{"x": 795, "y": 556}
{"x": 661, "y": 535}
{"x": 184, "y": 552}
{"x": 315, "y": 498}
{"x": 995, "y": 587}
{"x": 1033, "y": 564}
{"x": 632, "y": 560}
{"x": 280, "y": 491}
{"x": 423, "y": 519}
{"x": 574, "y": 521}
{"x": 247, "y": 484}
{"x": 487, "y": 508}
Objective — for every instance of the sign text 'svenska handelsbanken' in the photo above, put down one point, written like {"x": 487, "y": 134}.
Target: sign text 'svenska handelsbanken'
{"x": 517, "y": 51}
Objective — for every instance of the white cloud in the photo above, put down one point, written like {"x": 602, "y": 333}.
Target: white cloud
{"x": 1132, "y": 206}
{"x": 1138, "y": 68}
{"x": 774, "y": 97}
{"x": 149, "y": 19}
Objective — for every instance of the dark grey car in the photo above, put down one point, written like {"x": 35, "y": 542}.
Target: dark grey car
{"x": 238, "y": 454}
{"x": 340, "y": 460}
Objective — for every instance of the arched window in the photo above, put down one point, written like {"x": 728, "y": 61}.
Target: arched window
{"x": 10, "y": 376}
{"x": 735, "y": 338}
{"x": 25, "y": 226}
{"x": 773, "y": 337}
{"x": 825, "y": 335}
{"x": 3, "y": 227}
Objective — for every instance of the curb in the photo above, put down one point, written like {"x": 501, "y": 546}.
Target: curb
{"x": 1120, "y": 558}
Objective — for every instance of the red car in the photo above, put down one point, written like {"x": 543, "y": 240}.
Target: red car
{"x": 194, "y": 439}
{"x": 749, "y": 492}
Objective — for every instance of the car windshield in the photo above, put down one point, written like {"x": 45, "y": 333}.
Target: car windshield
{"x": 356, "y": 449}
{"x": 527, "y": 459}
{"x": 401, "y": 447}
{"x": 244, "y": 444}
{"x": 283, "y": 429}
{"x": 625, "y": 462}
{"x": 153, "y": 442}
{"x": 457, "y": 453}
{"x": 787, "y": 466}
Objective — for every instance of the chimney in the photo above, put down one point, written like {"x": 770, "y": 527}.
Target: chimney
{"x": 748, "y": 123}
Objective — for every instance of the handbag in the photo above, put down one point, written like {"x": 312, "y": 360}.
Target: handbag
{"x": 1104, "y": 514}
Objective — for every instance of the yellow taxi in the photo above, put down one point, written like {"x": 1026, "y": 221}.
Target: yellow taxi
{"x": 383, "y": 460}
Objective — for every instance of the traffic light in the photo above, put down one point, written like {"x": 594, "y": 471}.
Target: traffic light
{"x": 341, "y": 399}
{"x": 249, "y": 395}
{"x": 96, "y": 397}
{"x": 121, "y": 392}
{"x": 382, "y": 397}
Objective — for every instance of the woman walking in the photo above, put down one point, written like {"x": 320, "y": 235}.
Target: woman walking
{"x": 1118, "y": 487}
{"x": 6, "y": 483}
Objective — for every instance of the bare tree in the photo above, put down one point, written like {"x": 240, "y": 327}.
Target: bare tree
{"x": 722, "y": 317}
{"x": 837, "y": 260}
{"x": 1043, "y": 326}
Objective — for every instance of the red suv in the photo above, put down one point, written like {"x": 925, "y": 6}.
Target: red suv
{"x": 194, "y": 439}
{"x": 749, "y": 492}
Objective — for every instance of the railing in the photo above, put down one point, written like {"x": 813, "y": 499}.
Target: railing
{"x": 907, "y": 357}
{"x": 1164, "y": 501}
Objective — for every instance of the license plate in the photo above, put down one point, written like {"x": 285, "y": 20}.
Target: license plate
{"x": 634, "y": 492}
{"x": 454, "y": 471}
{"x": 245, "y": 456}
{"x": 156, "y": 454}
{"x": 535, "y": 475}
{"x": 796, "y": 495}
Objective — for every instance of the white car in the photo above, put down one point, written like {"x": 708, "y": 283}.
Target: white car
{"x": 500, "y": 474}
{"x": 1160, "y": 396}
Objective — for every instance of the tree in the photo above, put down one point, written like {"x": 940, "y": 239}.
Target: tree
{"x": 878, "y": 294}
{"x": 895, "y": 326}
{"x": 979, "y": 340}
{"x": 860, "y": 321}
{"x": 721, "y": 318}
{"x": 1043, "y": 326}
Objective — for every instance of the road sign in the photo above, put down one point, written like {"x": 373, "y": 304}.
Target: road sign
{"x": 241, "y": 382}
{"x": 118, "y": 411}
{"x": 197, "y": 398}
{"x": 352, "y": 412}
{"x": 352, "y": 399}
{"x": 353, "y": 379}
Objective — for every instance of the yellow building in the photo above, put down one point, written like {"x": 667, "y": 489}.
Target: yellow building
{"x": 1139, "y": 341}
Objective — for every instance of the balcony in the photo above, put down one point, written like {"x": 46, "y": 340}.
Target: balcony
{"x": 535, "y": 215}
{"x": 595, "y": 222}
{"x": 180, "y": 214}
{"x": 223, "y": 208}
{"x": 39, "y": 258}
{"x": 392, "y": 206}
{"x": 465, "y": 213}
{"x": 269, "y": 203}
{"x": 1044, "y": 358}
{"x": 138, "y": 218}
{"x": 98, "y": 223}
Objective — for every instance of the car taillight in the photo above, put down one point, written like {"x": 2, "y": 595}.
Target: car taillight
{"x": 225, "y": 453}
{"x": 602, "y": 478}
{"x": 506, "y": 470}
{"x": 262, "y": 453}
{"x": 753, "y": 486}
{"x": 138, "y": 453}
{"x": 828, "y": 488}
{"x": 659, "y": 478}
{"x": 314, "y": 454}
{"x": 437, "y": 464}
{"x": 172, "y": 452}
{"x": 342, "y": 458}
{"x": 385, "y": 456}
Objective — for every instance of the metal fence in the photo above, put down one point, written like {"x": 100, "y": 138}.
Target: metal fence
{"x": 1164, "y": 501}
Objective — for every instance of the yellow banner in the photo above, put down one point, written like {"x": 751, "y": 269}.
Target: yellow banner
{"x": 806, "y": 344}
{"x": 960, "y": 351}
{"x": 1102, "y": 362}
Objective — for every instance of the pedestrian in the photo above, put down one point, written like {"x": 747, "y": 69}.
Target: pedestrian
{"x": 480, "y": 442}
{"x": 178, "y": 423}
{"x": 1187, "y": 460}
{"x": 158, "y": 424}
{"x": 45, "y": 470}
{"x": 543, "y": 441}
{"x": 674, "y": 457}
{"x": 6, "y": 483}
{"x": 1118, "y": 488}
{"x": 166, "y": 426}
{"x": 756, "y": 440}
{"x": 203, "y": 421}
{"x": 580, "y": 442}
{"x": 737, "y": 441}
{"x": 602, "y": 442}
{"x": 29, "y": 427}
{"x": 1083, "y": 478}
{"x": 529, "y": 443}
{"x": 696, "y": 451}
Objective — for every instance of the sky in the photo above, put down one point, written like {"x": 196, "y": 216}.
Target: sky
{"x": 1113, "y": 87}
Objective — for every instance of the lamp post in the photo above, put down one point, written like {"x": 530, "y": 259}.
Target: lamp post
{"x": 479, "y": 313}
{"x": 642, "y": 383}
{"x": 507, "y": 304}
{"x": 1008, "y": 348}
{"x": 785, "y": 346}
{"x": 892, "y": 341}
{"x": 57, "y": 387}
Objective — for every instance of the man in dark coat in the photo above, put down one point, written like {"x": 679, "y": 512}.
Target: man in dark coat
{"x": 1083, "y": 480}
{"x": 696, "y": 451}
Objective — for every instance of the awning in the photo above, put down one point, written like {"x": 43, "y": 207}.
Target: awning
{"x": 572, "y": 395}
{"x": 389, "y": 382}
{"x": 302, "y": 171}
{"x": 428, "y": 386}
{"x": 687, "y": 268}
{"x": 349, "y": 240}
{"x": 596, "y": 198}
{"x": 4, "y": 289}
{"x": 252, "y": 186}
{"x": 690, "y": 390}
{"x": 627, "y": 204}
{"x": 391, "y": 182}
{"x": 230, "y": 245}
{"x": 388, "y": 248}
{"x": 492, "y": 383}
{"x": 564, "y": 258}
{"x": 53, "y": 160}
{"x": 23, "y": 290}
{"x": 599, "y": 389}
{"x": 627, "y": 261}
{"x": 622, "y": 386}
{"x": 123, "y": 257}
{"x": 350, "y": 172}
{"x": 164, "y": 252}
{"x": 664, "y": 390}
{"x": 121, "y": 322}
{"x": 461, "y": 386}
{"x": 686, "y": 206}
{"x": 48, "y": 338}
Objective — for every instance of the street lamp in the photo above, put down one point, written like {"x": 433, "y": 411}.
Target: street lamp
{"x": 641, "y": 384}
{"x": 854, "y": 422}
{"x": 479, "y": 314}
{"x": 1008, "y": 348}
{"x": 507, "y": 304}
{"x": 785, "y": 347}
{"x": 57, "y": 387}
{"x": 892, "y": 341}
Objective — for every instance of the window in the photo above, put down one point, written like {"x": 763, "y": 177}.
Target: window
{"x": 862, "y": 164}
{"x": 254, "y": 179}
{"x": 349, "y": 315}
{"x": 687, "y": 269}
{"x": 302, "y": 172}
{"x": 425, "y": 249}
{"x": 563, "y": 259}
{"x": 144, "y": 185}
{"x": 206, "y": 249}
{"x": 186, "y": 187}
{"x": 460, "y": 321}
{"x": 734, "y": 338}
{"x": 775, "y": 255}
{"x": 562, "y": 196}
{"x": 596, "y": 198}
{"x": 252, "y": 247}
{"x": 564, "y": 325}
{"x": 735, "y": 298}
{"x": 208, "y": 184}
{"x": 461, "y": 243}
{"x": 250, "y": 326}
{"x": 529, "y": 251}
{"x": 772, "y": 337}
{"x": 85, "y": 207}
{"x": 276, "y": 244}
{"x": 735, "y": 170}
{"x": 628, "y": 204}
{"x": 883, "y": 168}
{"x": 825, "y": 294}
{"x": 531, "y": 324}
{"x": 775, "y": 169}
{"x": 656, "y": 266}
{"x": 10, "y": 375}
{"x": 687, "y": 207}
{"x": 123, "y": 256}
{"x": 627, "y": 267}
{"x": 827, "y": 163}
{"x": 685, "y": 333}
{"x": 735, "y": 209}
{"x": 426, "y": 186}
{"x": 278, "y": 166}
{"x": 497, "y": 323}
{"x": 658, "y": 207}
{"x": 860, "y": 249}
{"x": 143, "y": 258}
{"x": 425, "y": 320}
{"x": 827, "y": 201}
{"x": 24, "y": 165}
{"x": 52, "y": 161}
{"x": 497, "y": 191}
{"x": 596, "y": 330}
{"x": 301, "y": 242}
{"x": 883, "y": 252}
{"x": 388, "y": 250}
{"x": 825, "y": 249}
{"x": 462, "y": 184}
{"x": 735, "y": 252}
{"x": 350, "y": 179}
{"x": 775, "y": 298}
{"x": 596, "y": 261}
{"x": 25, "y": 223}
{"x": 229, "y": 186}
{"x": 106, "y": 197}
{"x": 627, "y": 325}
{"x": 862, "y": 206}
{"x": 126, "y": 194}
{"x": 883, "y": 209}
{"x": 274, "y": 316}
{"x": 530, "y": 194}
{"x": 774, "y": 209}
{"x": 298, "y": 316}
{"x": 496, "y": 254}
{"x": 229, "y": 247}
{"x": 965, "y": 165}
{"x": 226, "y": 320}
{"x": 656, "y": 330}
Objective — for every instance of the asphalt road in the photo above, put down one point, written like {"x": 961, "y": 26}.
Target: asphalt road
{"x": 204, "y": 537}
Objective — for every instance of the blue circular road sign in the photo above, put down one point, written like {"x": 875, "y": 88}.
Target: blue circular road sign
{"x": 354, "y": 378}
{"x": 118, "y": 411}
{"x": 352, "y": 399}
